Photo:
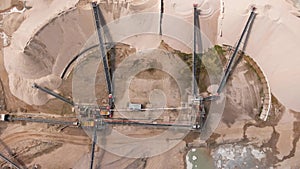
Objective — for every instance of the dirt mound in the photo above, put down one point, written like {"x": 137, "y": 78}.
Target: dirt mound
{"x": 12, "y": 22}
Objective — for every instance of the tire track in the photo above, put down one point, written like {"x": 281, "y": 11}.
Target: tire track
{"x": 19, "y": 136}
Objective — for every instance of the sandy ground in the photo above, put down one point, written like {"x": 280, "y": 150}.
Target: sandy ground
{"x": 274, "y": 34}
{"x": 170, "y": 159}
{"x": 36, "y": 143}
{"x": 42, "y": 41}
{"x": 8, "y": 4}
{"x": 230, "y": 131}
{"x": 62, "y": 160}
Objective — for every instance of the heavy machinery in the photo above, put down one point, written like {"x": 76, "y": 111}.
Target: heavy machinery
{"x": 96, "y": 121}
{"x": 102, "y": 48}
{"x": 198, "y": 100}
{"x": 109, "y": 110}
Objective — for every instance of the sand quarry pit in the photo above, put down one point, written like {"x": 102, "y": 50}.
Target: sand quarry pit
{"x": 40, "y": 38}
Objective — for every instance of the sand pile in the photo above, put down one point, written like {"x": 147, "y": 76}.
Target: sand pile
{"x": 12, "y": 22}
{"x": 29, "y": 59}
{"x": 273, "y": 43}
{"x": 50, "y": 36}
{"x": 54, "y": 31}
{"x": 5, "y": 5}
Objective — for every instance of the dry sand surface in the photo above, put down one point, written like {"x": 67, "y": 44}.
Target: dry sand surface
{"x": 273, "y": 43}
{"x": 41, "y": 44}
{"x": 37, "y": 143}
{"x": 43, "y": 39}
{"x": 8, "y": 4}
{"x": 62, "y": 160}
{"x": 274, "y": 35}
{"x": 172, "y": 159}
{"x": 30, "y": 55}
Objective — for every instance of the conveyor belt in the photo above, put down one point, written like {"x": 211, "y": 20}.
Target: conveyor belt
{"x": 9, "y": 161}
{"x": 197, "y": 50}
{"x": 41, "y": 121}
{"x": 232, "y": 58}
{"x": 93, "y": 146}
{"x": 53, "y": 94}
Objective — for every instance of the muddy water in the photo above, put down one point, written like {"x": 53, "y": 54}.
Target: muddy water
{"x": 296, "y": 136}
{"x": 275, "y": 122}
{"x": 199, "y": 158}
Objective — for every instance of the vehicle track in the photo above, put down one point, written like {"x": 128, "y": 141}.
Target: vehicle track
{"x": 63, "y": 138}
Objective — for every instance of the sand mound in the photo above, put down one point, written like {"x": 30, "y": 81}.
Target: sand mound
{"x": 53, "y": 33}
{"x": 12, "y": 22}
{"x": 273, "y": 43}
{"x": 6, "y": 5}
{"x": 28, "y": 59}
{"x": 20, "y": 87}
{"x": 50, "y": 36}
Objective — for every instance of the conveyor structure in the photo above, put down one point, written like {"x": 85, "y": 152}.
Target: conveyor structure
{"x": 52, "y": 93}
{"x": 96, "y": 10}
{"x": 9, "y": 161}
{"x": 197, "y": 45}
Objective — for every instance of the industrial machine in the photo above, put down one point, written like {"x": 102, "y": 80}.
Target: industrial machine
{"x": 198, "y": 100}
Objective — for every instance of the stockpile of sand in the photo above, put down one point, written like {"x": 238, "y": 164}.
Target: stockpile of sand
{"x": 12, "y": 22}
{"x": 5, "y": 5}
{"x": 50, "y": 36}
{"x": 31, "y": 59}
{"x": 54, "y": 31}
{"x": 273, "y": 43}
